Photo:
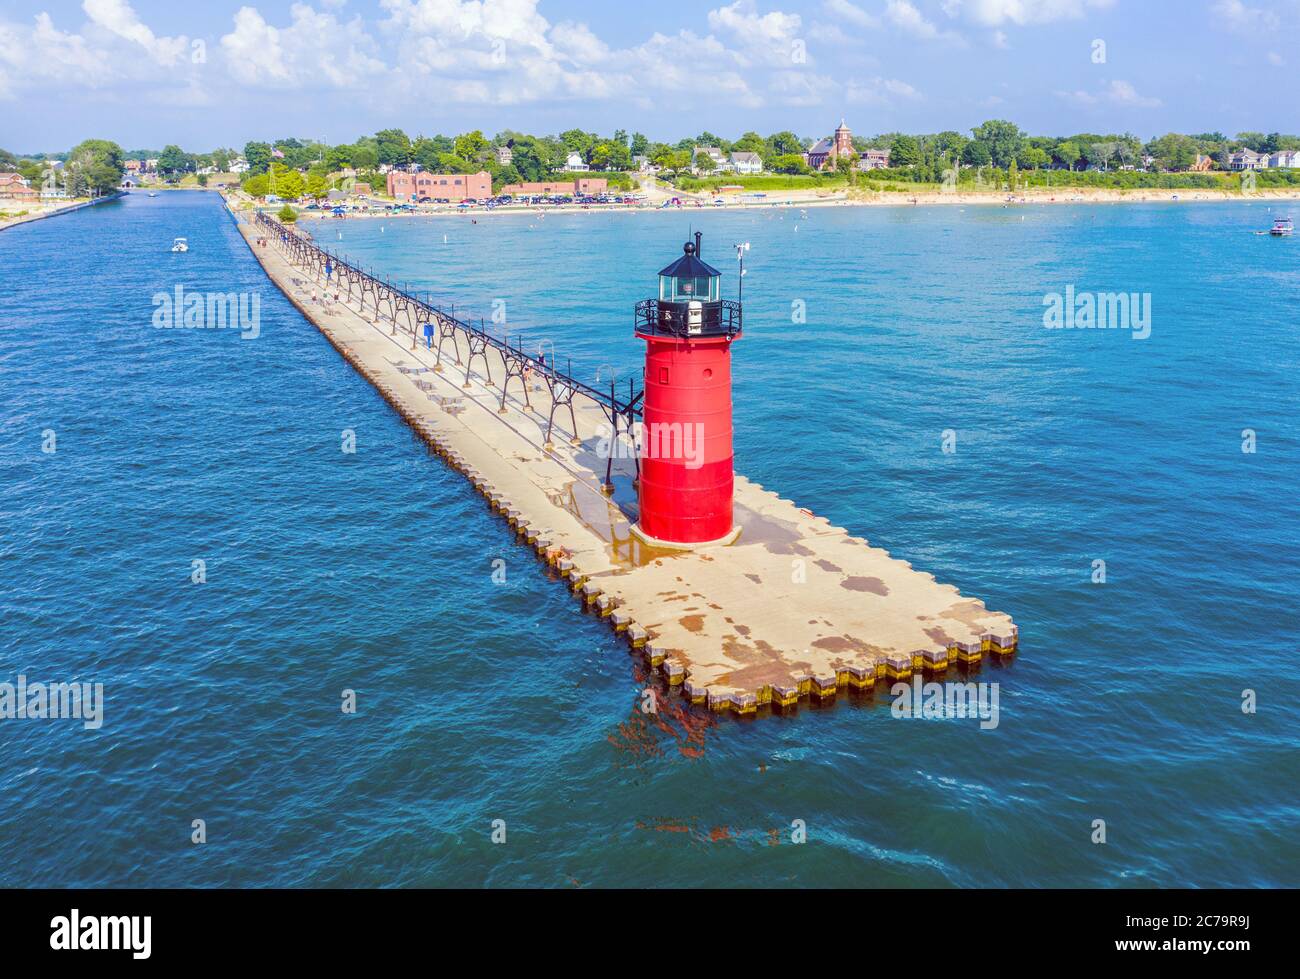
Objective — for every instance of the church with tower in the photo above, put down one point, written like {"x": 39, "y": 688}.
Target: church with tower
{"x": 826, "y": 153}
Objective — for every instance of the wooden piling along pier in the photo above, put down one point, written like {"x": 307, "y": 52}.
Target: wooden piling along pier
{"x": 794, "y": 608}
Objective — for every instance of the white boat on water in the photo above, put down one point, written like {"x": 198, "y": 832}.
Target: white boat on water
{"x": 1282, "y": 228}
{"x": 153, "y": 193}
{"x": 180, "y": 245}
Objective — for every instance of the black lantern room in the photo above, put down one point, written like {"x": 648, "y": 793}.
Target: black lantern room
{"x": 690, "y": 299}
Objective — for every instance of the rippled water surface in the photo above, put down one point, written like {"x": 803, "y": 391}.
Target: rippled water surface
{"x": 371, "y": 572}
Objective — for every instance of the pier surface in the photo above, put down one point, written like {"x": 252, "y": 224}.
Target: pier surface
{"x": 795, "y": 607}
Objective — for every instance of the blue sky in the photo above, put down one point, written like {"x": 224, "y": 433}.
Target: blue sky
{"x": 215, "y": 73}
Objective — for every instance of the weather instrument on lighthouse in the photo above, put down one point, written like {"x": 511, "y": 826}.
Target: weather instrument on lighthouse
{"x": 686, "y": 478}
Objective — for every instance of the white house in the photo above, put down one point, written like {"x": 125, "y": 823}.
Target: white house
{"x": 1247, "y": 159}
{"x": 746, "y": 162}
{"x": 575, "y": 164}
{"x": 873, "y": 160}
{"x": 1287, "y": 159}
{"x": 505, "y": 155}
{"x": 238, "y": 165}
{"x": 713, "y": 153}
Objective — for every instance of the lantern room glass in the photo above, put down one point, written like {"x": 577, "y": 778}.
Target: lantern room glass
{"x": 705, "y": 288}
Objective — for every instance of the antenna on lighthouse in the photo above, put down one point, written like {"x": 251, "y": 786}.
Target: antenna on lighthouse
{"x": 741, "y": 248}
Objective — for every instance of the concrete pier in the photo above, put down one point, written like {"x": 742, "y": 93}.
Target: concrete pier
{"x": 794, "y": 608}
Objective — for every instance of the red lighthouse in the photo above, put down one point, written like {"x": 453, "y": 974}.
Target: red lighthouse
{"x": 686, "y": 455}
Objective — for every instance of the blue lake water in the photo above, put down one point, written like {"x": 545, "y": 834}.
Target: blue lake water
{"x": 477, "y": 702}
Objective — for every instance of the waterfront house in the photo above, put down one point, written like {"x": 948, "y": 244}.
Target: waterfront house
{"x": 505, "y": 155}
{"x": 744, "y": 162}
{"x": 713, "y": 153}
{"x": 575, "y": 164}
{"x": 238, "y": 165}
{"x": 1285, "y": 159}
{"x": 1248, "y": 159}
{"x": 1203, "y": 164}
{"x": 449, "y": 186}
{"x": 874, "y": 160}
{"x": 14, "y": 187}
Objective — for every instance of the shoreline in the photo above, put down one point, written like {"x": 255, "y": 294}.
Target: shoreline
{"x": 68, "y": 208}
{"x": 800, "y": 200}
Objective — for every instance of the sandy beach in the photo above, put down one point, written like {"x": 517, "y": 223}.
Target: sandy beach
{"x": 15, "y": 213}
{"x": 807, "y": 198}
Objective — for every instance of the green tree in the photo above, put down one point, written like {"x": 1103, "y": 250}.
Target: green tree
{"x": 470, "y": 146}
{"x": 287, "y": 215}
{"x": 975, "y": 154}
{"x": 530, "y": 158}
{"x": 1034, "y": 158}
{"x": 394, "y": 147}
{"x": 1003, "y": 139}
{"x": 96, "y": 167}
{"x": 905, "y": 152}
{"x": 365, "y": 157}
{"x": 784, "y": 143}
{"x": 173, "y": 159}
{"x": 639, "y": 144}
{"x": 1067, "y": 153}
{"x": 258, "y": 156}
{"x": 788, "y": 163}
{"x": 256, "y": 185}
{"x": 949, "y": 144}
{"x": 1173, "y": 151}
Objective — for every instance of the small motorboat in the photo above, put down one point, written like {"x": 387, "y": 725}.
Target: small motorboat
{"x": 180, "y": 245}
{"x": 1282, "y": 228}
{"x": 153, "y": 193}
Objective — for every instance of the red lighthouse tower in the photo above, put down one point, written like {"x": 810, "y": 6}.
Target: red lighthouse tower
{"x": 686, "y": 455}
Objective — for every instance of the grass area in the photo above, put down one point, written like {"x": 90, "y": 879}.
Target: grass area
{"x": 903, "y": 180}
{"x": 763, "y": 182}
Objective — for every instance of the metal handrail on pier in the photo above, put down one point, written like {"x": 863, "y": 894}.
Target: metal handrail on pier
{"x": 621, "y": 413}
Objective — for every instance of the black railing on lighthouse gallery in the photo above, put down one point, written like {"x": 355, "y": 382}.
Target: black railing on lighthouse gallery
{"x": 716, "y": 319}
{"x": 619, "y": 412}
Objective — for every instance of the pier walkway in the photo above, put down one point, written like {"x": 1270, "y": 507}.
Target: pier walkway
{"x": 795, "y": 607}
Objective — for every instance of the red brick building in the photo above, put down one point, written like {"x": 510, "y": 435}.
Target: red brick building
{"x": 14, "y": 187}
{"x": 582, "y": 187}
{"x": 450, "y": 186}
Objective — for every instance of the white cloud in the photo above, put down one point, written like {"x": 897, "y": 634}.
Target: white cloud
{"x": 908, "y": 19}
{"x": 880, "y": 91}
{"x": 42, "y": 54}
{"x": 1118, "y": 93}
{"x": 1022, "y": 12}
{"x": 118, "y": 17}
{"x": 852, "y": 14}
{"x": 761, "y": 38}
{"x": 1123, "y": 93}
{"x": 315, "y": 50}
{"x": 1239, "y": 16}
